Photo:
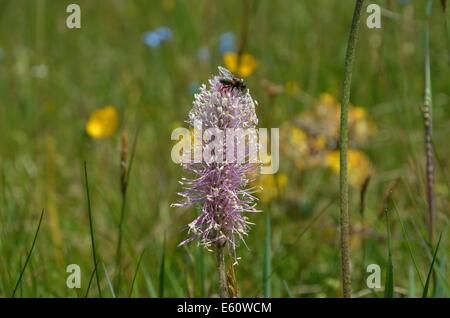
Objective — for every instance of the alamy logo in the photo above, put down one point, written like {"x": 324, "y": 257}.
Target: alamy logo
{"x": 231, "y": 145}
{"x": 74, "y": 279}
{"x": 374, "y": 279}
{"x": 73, "y": 21}
{"x": 374, "y": 19}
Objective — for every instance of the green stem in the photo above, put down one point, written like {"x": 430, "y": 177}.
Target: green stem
{"x": 91, "y": 228}
{"x": 119, "y": 243}
{"x": 221, "y": 270}
{"x": 343, "y": 142}
{"x": 428, "y": 127}
{"x": 28, "y": 255}
{"x": 124, "y": 180}
{"x": 244, "y": 31}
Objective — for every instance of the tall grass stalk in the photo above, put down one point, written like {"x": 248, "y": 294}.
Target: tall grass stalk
{"x": 29, "y": 255}
{"x": 91, "y": 278}
{"x": 343, "y": 142}
{"x": 429, "y": 276}
{"x": 447, "y": 34}
{"x": 91, "y": 228}
{"x": 362, "y": 208}
{"x": 428, "y": 128}
{"x": 135, "y": 273}
{"x": 244, "y": 31}
{"x": 125, "y": 169}
{"x": 389, "y": 285}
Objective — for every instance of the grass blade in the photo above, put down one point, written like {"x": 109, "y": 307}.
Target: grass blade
{"x": 267, "y": 256}
{"x": 162, "y": 270}
{"x": 411, "y": 283}
{"x": 91, "y": 278}
{"x": 427, "y": 282}
{"x": 447, "y": 35}
{"x": 299, "y": 237}
{"x": 151, "y": 290}
{"x": 288, "y": 290}
{"x": 108, "y": 280}
{"x": 426, "y": 247}
{"x": 439, "y": 291}
{"x": 389, "y": 285}
{"x": 29, "y": 254}
{"x": 409, "y": 245}
{"x": 91, "y": 228}
{"x": 135, "y": 273}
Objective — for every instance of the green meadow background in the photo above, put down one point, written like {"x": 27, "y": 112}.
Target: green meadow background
{"x": 43, "y": 145}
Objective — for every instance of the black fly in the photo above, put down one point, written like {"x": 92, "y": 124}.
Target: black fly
{"x": 230, "y": 81}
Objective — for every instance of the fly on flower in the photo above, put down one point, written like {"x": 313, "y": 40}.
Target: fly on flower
{"x": 229, "y": 81}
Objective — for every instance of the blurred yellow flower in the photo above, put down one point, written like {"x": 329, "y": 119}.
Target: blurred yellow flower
{"x": 324, "y": 117}
{"x": 332, "y": 161}
{"x": 359, "y": 166}
{"x": 327, "y": 98}
{"x": 319, "y": 143}
{"x": 359, "y": 125}
{"x": 297, "y": 137}
{"x": 310, "y": 138}
{"x": 103, "y": 122}
{"x": 359, "y": 113}
{"x": 305, "y": 150}
{"x": 246, "y": 67}
{"x": 273, "y": 186}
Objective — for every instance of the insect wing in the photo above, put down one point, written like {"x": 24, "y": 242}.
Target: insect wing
{"x": 225, "y": 73}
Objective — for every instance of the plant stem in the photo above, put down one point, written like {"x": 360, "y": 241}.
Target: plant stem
{"x": 119, "y": 243}
{"x": 244, "y": 31}
{"x": 343, "y": 142}
{"x": 362, "y": 207}
{"x": 125, "y": 170}
{"x": 28, "y": 255}
{"x": 91, "y": 228}
{"x": 428, "y": 127}
{"x": 221, "y": 270}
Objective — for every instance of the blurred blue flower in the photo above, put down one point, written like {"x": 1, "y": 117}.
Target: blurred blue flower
{"x": 203, "y": 54}
{"x": 227, "y": 42}
{"x": 164, "y": 32}
{"x": 157, "y": 36}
